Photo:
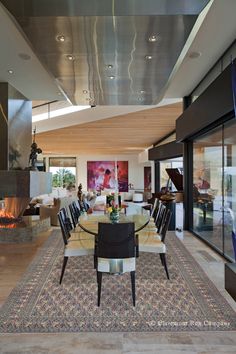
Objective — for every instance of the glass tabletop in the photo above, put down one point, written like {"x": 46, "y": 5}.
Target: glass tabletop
{"x": 89, "y": 222}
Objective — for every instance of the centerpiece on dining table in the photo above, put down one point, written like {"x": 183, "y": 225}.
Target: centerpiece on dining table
{"x": 114, "y": 207}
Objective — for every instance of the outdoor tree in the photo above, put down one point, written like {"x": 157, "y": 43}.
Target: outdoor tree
{"x": 63, "y": 177}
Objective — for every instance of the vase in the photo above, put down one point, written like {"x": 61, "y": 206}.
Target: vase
{"x": 114, "y": 217}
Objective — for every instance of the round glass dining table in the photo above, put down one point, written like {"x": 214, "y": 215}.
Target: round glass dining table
{"x": 89, "y": 222}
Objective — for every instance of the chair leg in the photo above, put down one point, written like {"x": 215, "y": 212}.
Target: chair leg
{"x": 94, "y": 261}
{"x": 99, "y": 280}
{"x": 161, "y": 259}
{"x": 137, "y": 245}
{"x": 163, "y": 256}
{"x": 132, "y": 274}
{"x": 63, "y": 268}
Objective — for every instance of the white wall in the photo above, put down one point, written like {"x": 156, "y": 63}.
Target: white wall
{"x": 136, "y": 169}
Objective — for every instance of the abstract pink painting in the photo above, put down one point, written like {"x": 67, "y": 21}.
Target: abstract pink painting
{"x": 102, "y": 175}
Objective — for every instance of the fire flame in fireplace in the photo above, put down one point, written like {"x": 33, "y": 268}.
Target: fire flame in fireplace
{"x": 7, "y": 219}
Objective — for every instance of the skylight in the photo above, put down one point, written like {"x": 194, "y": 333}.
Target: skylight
{"x": 58, "y": 112}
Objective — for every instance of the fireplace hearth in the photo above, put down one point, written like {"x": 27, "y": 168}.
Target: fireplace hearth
{"x": 26, "y": 229}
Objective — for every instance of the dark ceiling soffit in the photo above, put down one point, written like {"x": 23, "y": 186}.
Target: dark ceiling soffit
{"x": 165, "y": 151}
{"x": 164, "y": 138}
{"x": 213, "y": 104}
{"x": 103, "y": 7}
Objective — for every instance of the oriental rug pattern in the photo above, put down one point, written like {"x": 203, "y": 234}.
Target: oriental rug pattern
{"x": 189, "y": 301}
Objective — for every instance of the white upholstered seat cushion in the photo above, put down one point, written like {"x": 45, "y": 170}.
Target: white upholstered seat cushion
{"x": 149, "y": 233}
{"x": 151, "y": 244}
{"x": 150, "y": 228}
{"x": 79, "y": 248}
{"x": 80, "y": 235}
{"x": 116, "y": 265}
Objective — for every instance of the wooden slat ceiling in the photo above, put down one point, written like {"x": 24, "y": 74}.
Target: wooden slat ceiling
{"x": 126, "y": 134}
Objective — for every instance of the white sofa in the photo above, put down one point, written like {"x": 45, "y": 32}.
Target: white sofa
{"x": 138, "y": 197}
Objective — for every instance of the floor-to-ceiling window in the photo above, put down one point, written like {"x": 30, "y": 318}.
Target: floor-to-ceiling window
{"x": 207, "y": 187}
{"x": 214, "y": 186}
{"x": 229, "y": 186}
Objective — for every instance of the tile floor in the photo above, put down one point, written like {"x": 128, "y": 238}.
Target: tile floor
{"x": 13, "y": 262}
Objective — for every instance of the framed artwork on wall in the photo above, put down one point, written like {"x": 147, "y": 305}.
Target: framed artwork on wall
{"x": 147, "y": 178}
{"x": 103, "y": 175}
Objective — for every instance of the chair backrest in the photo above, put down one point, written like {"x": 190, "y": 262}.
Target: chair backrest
{"x": 155, "y": 204}
{"x": 165, "y": 224}
{"x": 160, "y": 216}
{"x": 234, "y": 243}
{"x": 77, "y": 206}
{"x": 83, "y": 205}
{"x": 64, "y": 226}
{"x": 75, "y": 213}
{"x": 66, "y": 219}
{"x": 116, "y": 241}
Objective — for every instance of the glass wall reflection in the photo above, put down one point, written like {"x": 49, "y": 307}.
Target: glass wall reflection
{"x": 229, "y": 185}
{"x": 214, "y": 187}
{"x": 207, "y": 187}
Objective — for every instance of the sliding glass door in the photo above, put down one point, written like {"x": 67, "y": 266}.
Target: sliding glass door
{"x": 214, "y": 187}
{"x": 229, "y": 185}
{"x": 207, "y": 188}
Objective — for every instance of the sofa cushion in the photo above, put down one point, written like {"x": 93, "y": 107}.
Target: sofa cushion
{"x": 43, "y": 199}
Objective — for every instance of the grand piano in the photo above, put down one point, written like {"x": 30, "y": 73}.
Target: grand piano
{"x": 176, "y": 177}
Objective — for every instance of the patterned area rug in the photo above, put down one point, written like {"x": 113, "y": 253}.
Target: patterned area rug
{"x": 188, "y": 301}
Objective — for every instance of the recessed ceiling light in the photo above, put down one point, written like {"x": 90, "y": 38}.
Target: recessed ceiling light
{"x": 110, "y": 66}
{"x": 152, "y": 38}
{"x": 140, "y": 99}
{"x": 148, "y": 57}
{"x": 60, "y": 38}
{"x": 111, "y": 77}
{"x": 194, "y": 55}
{"x": 70, "y": 57}
{"x": 24, "y": 56}
{"x": 85, "y": 91}
{"x": 142, "y": 91}
{"x": 10, "y": 71}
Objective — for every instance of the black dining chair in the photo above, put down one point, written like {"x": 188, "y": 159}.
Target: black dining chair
{"x": 84, "y": 207}
{"x": 66, "y": 219}
{"x": 152, "y": 242}
{"x": 82, "y": 246}
{"x": 155, "y": 226}
{"x": 116, "y": 252}
{"x": 154, "y": 209}
{"x": 75, "y": 213}
{"x": 160, "y": 217}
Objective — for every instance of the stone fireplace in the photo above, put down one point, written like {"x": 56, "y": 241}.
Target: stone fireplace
{"x": 18, "y": 185}
{"x": 18, "y": 188}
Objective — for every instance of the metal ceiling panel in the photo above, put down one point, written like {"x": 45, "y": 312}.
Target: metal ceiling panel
{"x": 112, "y": 33}
{"x": 30, "y": 8}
